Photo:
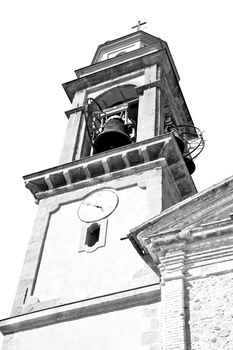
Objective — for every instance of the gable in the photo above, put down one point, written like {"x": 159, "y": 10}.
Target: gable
{"x": 209, "y": 206}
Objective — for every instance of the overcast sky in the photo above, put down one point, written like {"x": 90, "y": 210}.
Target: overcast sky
{"x": 44, "y": 41}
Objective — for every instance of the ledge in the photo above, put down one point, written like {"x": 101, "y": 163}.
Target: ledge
{"x": 189, "y": 211}
{"x": 93, "y": 77}
{"x": 80, "y": 309}
{"x": 114, "y": 163}
{"x": 205, "y": 242}
{"x": 208, "y": 230}
{"x": 111, "y": 62}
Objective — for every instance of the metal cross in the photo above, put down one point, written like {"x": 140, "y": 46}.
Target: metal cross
{"x": 138, "y": 25}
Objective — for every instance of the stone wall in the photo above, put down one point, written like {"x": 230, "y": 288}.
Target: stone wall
{"x": 210, "y": 302}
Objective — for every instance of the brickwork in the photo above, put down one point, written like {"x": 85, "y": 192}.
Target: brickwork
{"x": 211, "y": 313}
{"x": 172, "y": 297}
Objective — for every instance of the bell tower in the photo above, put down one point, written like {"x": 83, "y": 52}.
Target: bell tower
{"x": 127, "y": 155}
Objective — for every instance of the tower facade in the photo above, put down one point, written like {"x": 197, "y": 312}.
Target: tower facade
{"x": 125, "y": 158}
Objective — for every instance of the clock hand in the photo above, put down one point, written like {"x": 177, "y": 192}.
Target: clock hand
{"x": 98, "y": 206}
{"x": 94, "y": 205}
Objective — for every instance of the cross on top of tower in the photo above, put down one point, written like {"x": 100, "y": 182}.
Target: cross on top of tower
{"x": 139, "y": 25}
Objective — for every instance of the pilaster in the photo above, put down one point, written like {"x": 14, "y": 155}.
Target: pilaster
{"x": 74, "y": 132}
{"x": 172, "y": 268}
{"x": 149, "y": 105}
{"x": 170, "y": 261}
{"x": 32, "y": 258}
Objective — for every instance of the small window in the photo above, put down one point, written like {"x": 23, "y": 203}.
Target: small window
{"x": 93, "y": 234}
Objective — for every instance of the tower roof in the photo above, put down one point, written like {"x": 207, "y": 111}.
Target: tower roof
{"x": 125, "y": 44}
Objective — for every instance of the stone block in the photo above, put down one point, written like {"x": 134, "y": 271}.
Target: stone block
{"x": 150, "y": 337}
{"x": 154, "y": 150}
{"x": 58, "y": 180}
{"x": 172, "y": 157}
{"x": 155, "y": 324}
{"x": 39, "y": 184}
{"x": 177, "y": 171}
{"x": 77, "y": 174}
{"x": 116, "y": 163}
{"x": 155, "y": 347}
{"x": 96, "y": 169}
{"x": 150, "y": 312}
{"x": 134, "y": 158}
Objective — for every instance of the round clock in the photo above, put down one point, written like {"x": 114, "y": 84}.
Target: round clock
{"x": 98, "y": 205}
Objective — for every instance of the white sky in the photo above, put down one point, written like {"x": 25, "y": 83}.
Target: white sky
{"x": 44, "y": 41}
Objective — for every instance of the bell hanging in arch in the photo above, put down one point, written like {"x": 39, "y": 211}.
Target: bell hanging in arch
{"x": 190, "y": 164}
{"x": 114, "y": 135}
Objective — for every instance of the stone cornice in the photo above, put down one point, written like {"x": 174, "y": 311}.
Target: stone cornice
{"x": 79, "y": 309}
{"x": 153, "y": 44}
{"x": 91, "y": 76}
{"x": 96, "y": 67}
{"x": 189, "y": 211}
{"x": 144, "y": 37}
{"x": 202, "y": 245}
{"x": 93, "y": 79}
{"x": 172, "y": 267}
{"x": 158, "y": 151}
{"x": 208, "y": 230}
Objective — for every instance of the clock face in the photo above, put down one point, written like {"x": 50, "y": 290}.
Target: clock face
{"x": 98, "y": 205}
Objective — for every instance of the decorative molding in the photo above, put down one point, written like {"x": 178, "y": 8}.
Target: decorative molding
{"x": 31, "y": 300}
{"x": 132, "y": 157}
{"x": 194, "y": 208}
{"x": 54, "y": 208}
{"x": 150, "y": 85}
{"x": 202, "y": 246}
{"x": 90, "y": 76}
{"x": 83, "y": 247}
{"x": 172, "y": 266}
{"x": 74, "y": 110}
{"x": 190, "y": 235}
{"x": 84, "y": 308}
{"x": 49, "y": 182}
{"x": 67, "y": 177}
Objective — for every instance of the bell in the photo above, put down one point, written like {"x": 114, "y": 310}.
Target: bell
{"x": 190, "y": 165}
{"x": 113, "y": 135}
{"x": 179, "y": 141}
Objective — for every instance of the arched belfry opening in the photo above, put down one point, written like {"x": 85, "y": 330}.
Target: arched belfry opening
{"x": 116, "y": 96}
{"x": 111, "y": 118}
